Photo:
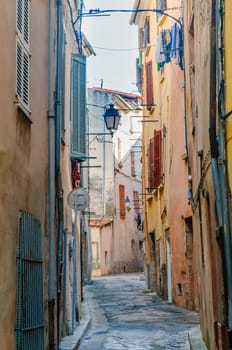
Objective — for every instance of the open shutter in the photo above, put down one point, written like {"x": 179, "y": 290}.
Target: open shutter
{"x": 157, "y": 158}
{"x": 151, "y": 164}
{"x": 78, "y": 107}
{"x": 122, "y": 201}
{"x": 149, "y": 85}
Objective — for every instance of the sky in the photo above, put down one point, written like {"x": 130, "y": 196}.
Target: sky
{"x": 115, "y": 42}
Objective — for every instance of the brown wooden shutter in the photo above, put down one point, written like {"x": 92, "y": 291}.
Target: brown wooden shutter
{"x": 122, "y": 201}
{"x": 132, "y": 163}
{"x": 157, "y": 158}
{"x": 136, "y": 201}
{"x": 151, "y": 164}
{"x": 149, "y": 85}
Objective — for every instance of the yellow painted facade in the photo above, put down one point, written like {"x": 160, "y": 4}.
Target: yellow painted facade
{"x": 167, "y": 215}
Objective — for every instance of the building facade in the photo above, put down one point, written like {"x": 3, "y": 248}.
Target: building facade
{"x": 114, "y": 175}
{"x": 209, "y": 192}
{"x": 170, "y": 267}
{"x": 41, "y": 281}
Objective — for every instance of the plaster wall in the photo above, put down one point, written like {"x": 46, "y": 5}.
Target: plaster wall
{"x": 23, "y": 153}
{"x": 207, "y": 251}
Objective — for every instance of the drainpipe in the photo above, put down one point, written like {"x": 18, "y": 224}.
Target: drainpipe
{"x": 59, "y": 189}
{"x": 51, "y": 177}
{"x": 212, "y": 121}
{"x": 223, "y": 174}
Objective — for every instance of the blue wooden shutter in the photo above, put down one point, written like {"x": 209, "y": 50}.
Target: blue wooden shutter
{"x": 78, "y": 107}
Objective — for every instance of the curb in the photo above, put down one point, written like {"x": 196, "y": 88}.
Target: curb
{"x": 195, "y": 340}
{"x": 71, "y": 342}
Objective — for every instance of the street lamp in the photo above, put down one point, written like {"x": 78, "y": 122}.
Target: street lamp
{"x": 111, "y": 118}
{"x": 127, "y": 203}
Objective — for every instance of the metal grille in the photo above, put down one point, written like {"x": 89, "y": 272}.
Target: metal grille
{"x": 29, "y": 316}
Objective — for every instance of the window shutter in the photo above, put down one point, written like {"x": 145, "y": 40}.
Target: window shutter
{"x": 78, "y": 107}
{"x": 122, "y": 201}
{"x": 147, "y": 31}
{"x": 22, "y": 52}
{"x": 157, "y": 158}
{"x": 132, "y": 163}
{"x": 152, "y": 164}
{"x": 23, "y": 19}
{"x": 149, "y": 85}
{"x": 136, "y": 201}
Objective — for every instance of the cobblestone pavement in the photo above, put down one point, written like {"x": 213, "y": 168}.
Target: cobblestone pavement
{"x": 126, "y": 317}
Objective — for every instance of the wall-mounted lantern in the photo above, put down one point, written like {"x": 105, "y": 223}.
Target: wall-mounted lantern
{"x": 127, "y": 203}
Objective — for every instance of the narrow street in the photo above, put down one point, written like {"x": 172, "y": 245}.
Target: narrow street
{"x": 126, "y": 316}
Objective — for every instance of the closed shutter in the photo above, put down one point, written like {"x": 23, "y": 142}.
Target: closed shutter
{"x": 23, "y": 53}
{"x": 122, "y": 201}
{"x": 133, "y": 164}
{"x": 157, "y": 158}
{"x": 136, "y": 201}
{"x": 149, "y": 85}
{"x": 23, "y": 20}
{"x": 78, "y": 107}
{"x": 30, "y": 307}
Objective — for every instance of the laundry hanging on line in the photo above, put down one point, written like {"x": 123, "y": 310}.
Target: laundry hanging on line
{"x": 170, "y": 46}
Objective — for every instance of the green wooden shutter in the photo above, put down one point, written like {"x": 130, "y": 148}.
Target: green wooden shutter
{"x": 78, "y": 107}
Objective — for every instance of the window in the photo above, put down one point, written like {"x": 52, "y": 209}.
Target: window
{"x": 149, "y": 85}
{"x": 132, "y": 163}
{"x": 29, "y": 308}
{"x": 106, "y": 257}
{"x": 141, "y": 38}
{"x": 23, "y": 54}
{"x": 139, "y": 74}
{"x": 78, "y": 107}
{"x": 136, "y": 201}
{"x": 122, "y": 201}
{"x": 147, "y": 31}
{"x": 155, "y": 161}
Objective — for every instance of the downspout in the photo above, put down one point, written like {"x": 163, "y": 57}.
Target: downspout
{"x": 51, "y": 177}
{"x": 222, "y": 165}
{"x": 59, "y": 189}
{"x": 212, "y": 118}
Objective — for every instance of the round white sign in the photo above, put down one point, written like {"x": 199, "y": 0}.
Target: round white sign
{"x": 78, "y": 199}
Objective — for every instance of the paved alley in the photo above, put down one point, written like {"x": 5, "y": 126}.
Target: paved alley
{"x": 124, "y": 315}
